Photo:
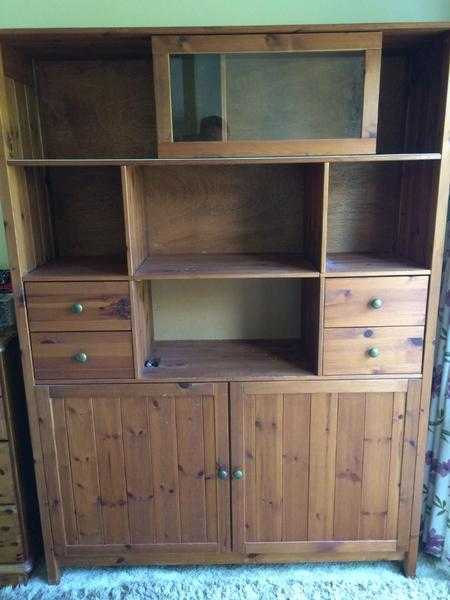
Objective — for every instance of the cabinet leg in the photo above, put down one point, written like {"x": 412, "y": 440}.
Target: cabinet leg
{"x": 53, "y": 572}
{"x": 410, "y": 564}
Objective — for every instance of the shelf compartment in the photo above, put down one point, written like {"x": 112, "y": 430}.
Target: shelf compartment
{"x": 224, "y": 266}
{"x": 343, "y": 265}
{"x": 74, "y": 223}
{"x": 279, "y": 318}
{"x": 85, "y": 268}
{"x": 227, "y": 360}
{"x": 381, "y": 218}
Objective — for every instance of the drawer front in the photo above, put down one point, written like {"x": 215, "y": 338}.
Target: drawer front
{"x": 10, "y": 536}
{"x": 75, "y": 306}
{"x": 371, "y": 301}
{"x": 72, "y": 355}
{"x": 7, "y": 492}
{"x": 378, "y": 350}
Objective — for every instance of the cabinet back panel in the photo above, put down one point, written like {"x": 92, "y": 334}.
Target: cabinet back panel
{"x": 220, "y": 209}
{"x": 226, "y": 309}
{"x": 113, "y": 98}
{"x": 363, "y": 206}
{"x": 87, "y": 211}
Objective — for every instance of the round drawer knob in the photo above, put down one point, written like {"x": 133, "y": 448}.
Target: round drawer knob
{"x": 373, "y": 352}
{"x": 81, "y": 357}
{"x": 222, "y": 474}
{"x": 238, "y": 474}
{"x": 376, "y": 303}
{"x": 77, "y": 308}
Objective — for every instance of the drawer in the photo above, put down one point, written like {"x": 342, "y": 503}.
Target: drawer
{"x": 76, "y": 355}
{"x": 75, "y": 306}
{"x": 370, "y": 301}
{"x": 378, "y": 350}
{"x": 7, "y": 491}
{"x": 10, "y": 535}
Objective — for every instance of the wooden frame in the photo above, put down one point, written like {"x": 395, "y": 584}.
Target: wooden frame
{"x": 164, "y": 46}
{"x": 423, "y": 197}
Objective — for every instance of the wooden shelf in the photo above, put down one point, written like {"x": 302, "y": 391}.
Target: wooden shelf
{"x": 227, "y": 360}
{"x": 343, "y": 265}
{"x": 155, "y": 162}
{"x": 87, "y": 268}
{"x": 224, "y": 266}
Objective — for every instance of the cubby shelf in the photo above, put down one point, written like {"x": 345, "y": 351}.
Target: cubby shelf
{"x": 227, "y": 360}
{"x": 224, "y": 266}
{"x": 155, "y": 162}
{"x": 355, "y": 264}
{"x": 95, "y": 268}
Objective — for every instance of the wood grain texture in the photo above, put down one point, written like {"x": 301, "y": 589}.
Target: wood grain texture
{"x": 109, "y": 354}
{"x": 258, "y": 147}
{"x": 143, "y": 468}
{"x": 87, "y": 212}
{"x": 224, "y": 266}
{"x": 362, "y": 209}
{"x": 7, "y": 490}
{"x": 253, "y": 209}
{"x": 344, "y": 264}
{"x": 312, "y": 467}
{"x": 79, "y": 268}
{"x": 105, "y": 307}
{"x": 111, "y": 97}
{"x": 346, "y": 350}
{"x": 11, "y": 203}
{"x": 265, "y": 43}
{"x": 135, "y": 217}
{"x": 347, "y": 301}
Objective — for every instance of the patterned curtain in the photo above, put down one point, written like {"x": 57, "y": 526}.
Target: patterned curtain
{"x": 436, "y": 510}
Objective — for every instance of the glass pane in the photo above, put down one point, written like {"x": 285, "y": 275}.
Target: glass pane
{"x": 196, "y": 97}
{"x": 305, "y": 95}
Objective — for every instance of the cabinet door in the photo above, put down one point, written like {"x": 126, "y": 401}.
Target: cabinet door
{"x": 135, "y": 467}
{"x": 324, "y": 465}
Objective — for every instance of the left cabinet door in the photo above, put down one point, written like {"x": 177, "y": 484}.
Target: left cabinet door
{"x": 137, "y": 468}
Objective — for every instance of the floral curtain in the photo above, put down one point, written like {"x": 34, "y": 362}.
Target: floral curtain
{"x": 436, "y": 508}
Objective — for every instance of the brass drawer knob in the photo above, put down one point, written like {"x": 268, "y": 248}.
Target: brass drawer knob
{"x": 77, "y": 308}
{"x": 222, "y": 473}
{"x": 373, "y": 352}
{"x": 81, "y": 357}
{"x": 376, "y": 303}
{"x": 238, "y": 474}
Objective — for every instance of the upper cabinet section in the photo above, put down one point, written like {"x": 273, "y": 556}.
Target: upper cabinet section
{"x": 255, "y": 95}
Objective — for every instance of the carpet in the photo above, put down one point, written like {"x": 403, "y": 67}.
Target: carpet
{"x": 330, "y": 581}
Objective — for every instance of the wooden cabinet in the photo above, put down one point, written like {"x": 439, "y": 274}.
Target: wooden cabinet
{"x": 240, "y": 254}
{"x": 315, "y": 468}
{"x": 19, "y": 527}
{"x": 322, "y": 464}
{"x": 240, "y": 95}
{"x": 135, "y": 468}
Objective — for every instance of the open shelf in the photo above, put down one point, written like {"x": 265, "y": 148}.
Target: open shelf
{"x": 95, "y": 268}
{"x": 353, "y": 264}
{"x": 161, "y": 162}
{"x": 224, "y": 266}
{"x": 227, "y": 360}
{"x": 380, "y": 218}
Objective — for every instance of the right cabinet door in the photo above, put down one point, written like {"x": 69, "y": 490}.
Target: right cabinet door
{"x": 323, "y": 467}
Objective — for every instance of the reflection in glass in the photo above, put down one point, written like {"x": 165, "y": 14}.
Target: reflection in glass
{"x": 267, "y": 96}
{"x": 196, "y": 97}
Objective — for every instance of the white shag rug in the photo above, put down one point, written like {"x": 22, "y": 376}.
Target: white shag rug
{"x": 331, "y": 581}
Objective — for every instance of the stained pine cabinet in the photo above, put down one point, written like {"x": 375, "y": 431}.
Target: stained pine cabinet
{"x": 135, "y": 467}
{"x": 312, "y": 467}
{"x": 326, "y": 467}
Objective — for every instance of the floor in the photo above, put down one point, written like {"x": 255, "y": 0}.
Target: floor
{"x": 380, "y": 581}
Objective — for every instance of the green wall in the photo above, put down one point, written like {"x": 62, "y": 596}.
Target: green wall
{"x": 178, "y": 13}
{"x": 173, "y": 13}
